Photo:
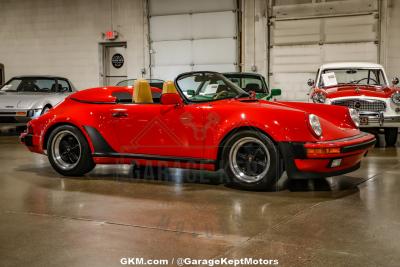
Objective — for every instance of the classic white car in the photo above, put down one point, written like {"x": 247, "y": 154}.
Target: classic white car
{"x": 365, "y": 88}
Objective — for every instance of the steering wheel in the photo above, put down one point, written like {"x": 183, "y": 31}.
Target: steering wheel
{"x": 35, "y": 88}
{"x": 357, "y": 82}
{"x": 220, "y": 94}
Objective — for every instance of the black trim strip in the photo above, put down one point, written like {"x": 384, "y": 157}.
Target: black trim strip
{"x": 358, "y": 146}
{"x": 100, "y": 145}
{"x": 153, "y": 157}
{"x": 362, "y": 134}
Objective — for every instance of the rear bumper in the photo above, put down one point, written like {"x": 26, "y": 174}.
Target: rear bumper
{"x": 26, "y": 139}
{"x": 300, "y": 164}
{"x": 31, "y": 141}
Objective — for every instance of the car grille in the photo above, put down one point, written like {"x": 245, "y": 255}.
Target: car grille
{"x": 362, "y": 105}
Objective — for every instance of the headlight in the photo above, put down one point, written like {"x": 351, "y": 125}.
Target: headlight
{"x": 318, "y": 97}
{"x": 355, "y": 116}
{"x": 34, "y": 112}
{"x": 396, "y": 97}
{"x": 315, "y": 124}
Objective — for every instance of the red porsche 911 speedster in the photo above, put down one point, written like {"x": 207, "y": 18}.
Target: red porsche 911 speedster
{"x": 201, "y": 121}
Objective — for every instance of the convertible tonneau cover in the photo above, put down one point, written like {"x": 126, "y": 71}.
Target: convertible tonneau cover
{"x": 107, "y": 94}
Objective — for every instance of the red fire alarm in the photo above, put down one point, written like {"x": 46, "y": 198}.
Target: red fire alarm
{"x": 111, "y": 35}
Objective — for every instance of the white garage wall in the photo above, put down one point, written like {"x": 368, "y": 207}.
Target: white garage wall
{"x": 62, "y": 37}
{"x": 304, "y": 36}
{"x": 255, "y": 52}
{"x": 188, "y": 35}
{"x": 254, "y": 36}
{"x": 392, "y": 42}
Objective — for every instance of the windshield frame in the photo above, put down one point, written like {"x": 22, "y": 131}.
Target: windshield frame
{"x": 219, "y": 75}
{"x": 243, "y": 75}
{"x": 386, "y": 83}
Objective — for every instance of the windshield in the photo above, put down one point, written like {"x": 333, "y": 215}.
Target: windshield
{"x": 204, "y": 86}
{"x": 248, "y": 82}
{"x": 332, "y": 77}
{"x": 30, "y": 85}
{"x": 153, "y": 82}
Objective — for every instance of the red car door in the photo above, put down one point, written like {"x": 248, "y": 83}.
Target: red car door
{"x": 160, "y": 130}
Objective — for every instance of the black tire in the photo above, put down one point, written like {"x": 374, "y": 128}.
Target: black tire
{"x": 270, "y": 172}
{"x": 391, "y": 135}
{"x": 82, "y": 165}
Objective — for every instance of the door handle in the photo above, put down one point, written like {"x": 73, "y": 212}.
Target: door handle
{"x": 120, "y": 114}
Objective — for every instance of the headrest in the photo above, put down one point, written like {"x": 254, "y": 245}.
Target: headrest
{"x": 169, "y": 88}
{"x": 142, "y": 92}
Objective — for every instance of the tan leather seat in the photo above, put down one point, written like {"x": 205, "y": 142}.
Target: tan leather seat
{"x": 142, "y": 92}
{"x": 169, "y": 88}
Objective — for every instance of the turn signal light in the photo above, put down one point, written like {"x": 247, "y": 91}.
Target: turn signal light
{"x": 323, "y": 151}
{"x": 20, "y": 113}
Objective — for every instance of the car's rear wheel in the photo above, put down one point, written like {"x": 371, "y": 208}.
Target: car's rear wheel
{"x": 69, "y": 152}
{"x": 251, "y": 160}
{"x": 391, "y": 135}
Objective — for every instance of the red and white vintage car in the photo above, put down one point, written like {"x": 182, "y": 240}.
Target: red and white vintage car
{"x": 365, "y": 88}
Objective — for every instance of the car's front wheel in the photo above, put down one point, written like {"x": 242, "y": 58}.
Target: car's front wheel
{"x": 69, "y": 152}
{"x": 391, "y": 135}
{"x": 251, "y": 160}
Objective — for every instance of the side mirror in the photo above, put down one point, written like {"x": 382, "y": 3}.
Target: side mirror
{"x": 311, "y": 82}
{"x": 276, "y": 92}
{"x": 395, "y": 81}
{"x": 171, "y": 99}
{"x": 190, "y": 92}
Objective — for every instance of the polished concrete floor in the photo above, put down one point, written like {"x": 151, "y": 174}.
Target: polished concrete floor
{"x": 49, "y": 220}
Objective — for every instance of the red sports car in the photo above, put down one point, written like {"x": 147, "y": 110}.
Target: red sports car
{"x": 206, "y": 123}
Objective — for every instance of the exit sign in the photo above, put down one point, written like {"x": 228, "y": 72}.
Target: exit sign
{"x": 111, "y": 35}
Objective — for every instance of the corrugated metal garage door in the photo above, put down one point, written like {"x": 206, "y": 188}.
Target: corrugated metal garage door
{"x": 301, "y": 44}
{"x": 188, "y": 35}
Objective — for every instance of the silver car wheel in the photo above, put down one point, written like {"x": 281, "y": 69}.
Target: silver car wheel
{"x": 249, "y": 159}
{"x": 66, "y": 150}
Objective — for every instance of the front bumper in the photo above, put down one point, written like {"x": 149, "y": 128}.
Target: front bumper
{"x": 378, "y": 120}
{"x": 300, "y": 164}
{"x": 18, "y": 116}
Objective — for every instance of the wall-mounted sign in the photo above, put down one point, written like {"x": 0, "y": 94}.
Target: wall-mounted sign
{"x": 117, "y": 61}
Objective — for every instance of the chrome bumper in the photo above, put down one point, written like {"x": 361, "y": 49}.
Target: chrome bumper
{"x": 378, "y": 120}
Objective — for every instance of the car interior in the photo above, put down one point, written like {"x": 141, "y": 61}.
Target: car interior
{"x": 144, "y": 94}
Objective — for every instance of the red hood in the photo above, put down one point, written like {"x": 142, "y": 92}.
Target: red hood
{"x": 358, "y": 90}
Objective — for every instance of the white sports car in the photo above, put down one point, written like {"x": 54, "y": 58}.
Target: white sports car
{"x": 23, "y": 98}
